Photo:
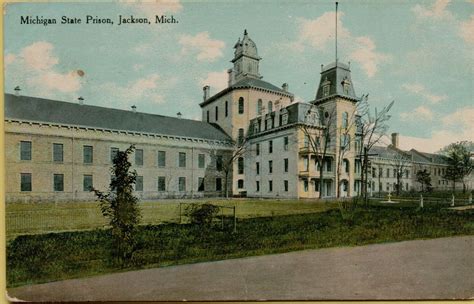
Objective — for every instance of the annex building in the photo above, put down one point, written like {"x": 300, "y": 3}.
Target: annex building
{"x": 253, "y": 140}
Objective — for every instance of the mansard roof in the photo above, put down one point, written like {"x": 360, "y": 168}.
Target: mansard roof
{"x": 248, "y": 83}
{"x": 335, "y": 75}
{"x": 59, "y": 112}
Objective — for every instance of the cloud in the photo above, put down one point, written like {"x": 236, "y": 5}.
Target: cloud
{"x": 437, "y": 11}
{"x": 216, "y": 80}
{"x": 466, "y": 30}
{"x": 37, "y": 71}
{"x": 420, "y": 113}
{"x": 420, "y": 90}
{"x": 365, "y": 54}
{"x": 319, "y": 34}
{"x": 455, "y": 127}
{"x": 150, "y": 8}
{"x": 147, "y": 90}
{"x": 9, "y": 58}
{"x": 205, "y": 48}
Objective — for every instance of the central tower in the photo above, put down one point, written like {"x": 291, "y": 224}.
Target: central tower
{"x": 246, "y": 59}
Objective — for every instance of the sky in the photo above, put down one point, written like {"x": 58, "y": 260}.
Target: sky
{"x": 418, "y": 53}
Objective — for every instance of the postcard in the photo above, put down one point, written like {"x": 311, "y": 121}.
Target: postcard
{"x": 178, "y": 150}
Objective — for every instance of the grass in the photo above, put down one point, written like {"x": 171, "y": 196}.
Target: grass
{"x": 66, "y": 255}
{"x": 36, "y": 218}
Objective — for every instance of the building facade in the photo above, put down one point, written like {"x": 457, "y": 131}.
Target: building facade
{"x": 276, "y": 147}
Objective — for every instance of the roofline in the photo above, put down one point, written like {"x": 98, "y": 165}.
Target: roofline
{"x": 324, "y": 99}
{"x": 129, "y": 132}
{"x": 231, "y": 88}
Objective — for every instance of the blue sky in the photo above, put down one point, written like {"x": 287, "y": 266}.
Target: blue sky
{"x": 418, "y": 53}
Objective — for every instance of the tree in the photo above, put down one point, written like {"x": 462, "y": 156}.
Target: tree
{"x": 229, "y": 158}
{"x": 120, "y": 206}
{"x": 318, "y": 132}
{"x": 424, "y": 178}
{"x": 460, "y": 163}
{"x": 399, "y": 163}
{"x": 372, "y": 127}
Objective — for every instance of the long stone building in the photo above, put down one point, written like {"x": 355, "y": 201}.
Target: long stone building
{"x": 253, "y": 140}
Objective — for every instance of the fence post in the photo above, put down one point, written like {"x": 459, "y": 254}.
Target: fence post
{"x": 421, "y": 200}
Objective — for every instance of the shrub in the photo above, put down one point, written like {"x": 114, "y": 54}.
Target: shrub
{"x": 202, "y": 215}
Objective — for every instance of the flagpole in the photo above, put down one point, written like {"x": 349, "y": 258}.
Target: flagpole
{"x": 336, "y": 32}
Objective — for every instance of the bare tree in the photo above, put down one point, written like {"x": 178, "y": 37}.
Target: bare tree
{"x": 318, "y": 132}
{"x": 372, "y": 127}
{"x": 399, "y": 164}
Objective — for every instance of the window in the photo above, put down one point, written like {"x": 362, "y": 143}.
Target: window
{"x": 25, "y": 150}
{"x": 240, "y": 184}
{"x": 270, "y": 186}
{"x": 270, "y": 107}
{"x": 328, "y": 165}
{"x": 240, "y": 165}
{"x": 325, "y": 90}
{"x": 270, "y": 146}
{"x": 257, "y": 185}
{"x": 226, "y": 108}
{"x": 257, "y": 149}
{"x": 182, "y": 184}
{"x": 346, "y": 88}
{"x": 241, "y": 136}
{"x": 285, "y": 143}
{"x": 305, "y": 185}
{"x": 374, "y": 172}
{"x": 285, "y": 184}
{"x": 270, "y": 166}
{"x": 306, "y": 141}
{"x": 161, "y": 183}
{"x": 345, "y": 120}
{"x": 407, "y": 174}
{"x": 201, "y": 161}
{"x": 218, "y": 184}
{"x": 139, "y": 157}
{"x": 388, "y": 173}
{"x": 182, "y": 160}
{"x": 316, "y": 185}
{"x": 257, "y": 168}
{"x": 25, "y": 182}
{"x": 241, "y": 105}
{"x": 406, "y": 187}
{"x": 394, "y": 172}
{"x": 58, "y": 153}
{"x": 346, "y": 165}
{"x": 306, "y": 163}
{"x": 113, "y": 154}
{"x": 259, "y": 107}
{"x": 217, "y": 113}
{"x": 161, "y": 158}
{"x": 207, "y": 116}
{"x": 88, "y": 154}
{"x": 285, "y": 168}
{"x": 388, "y": 187}
{"x": 345, "y": 141}
{"x": 139, "y": 183}
{"x": 87, "y": 183}
{"x": 200, "y": 184}
{"x": 58, "y": 182}
{"x": 219, "y": 162}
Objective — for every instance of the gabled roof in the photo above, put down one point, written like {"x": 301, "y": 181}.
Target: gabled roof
{"x": 248, "y": 83}
{"x": 60, "y": 112}
{"x": 390, "y": 152}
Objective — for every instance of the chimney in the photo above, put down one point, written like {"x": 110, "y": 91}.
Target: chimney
{"x": 17, "y": 91}
{"x": 134, "y": 109}
{"x": 395, "y": 140}
{"x": 81, "y": 100}
{"x": 231, "y": 79}
{"x": 206, "y": 90}
{"x": 285, "y": 87}
{"x": 179, "y": 115}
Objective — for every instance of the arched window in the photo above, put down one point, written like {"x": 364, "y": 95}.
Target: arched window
{"x": 259, "y": 107}
{"x": 240, "y": 164}
{"x": 345, "y": 120}
{"x": 241, "y": 105}
{"x": 270, "y": 106}
{"x": 346, "y": 165}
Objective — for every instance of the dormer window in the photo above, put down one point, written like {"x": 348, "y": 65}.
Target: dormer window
{"x": 346, "y": 84}
{"x": 326, "y": 85}
{"x": 284, "y": 117}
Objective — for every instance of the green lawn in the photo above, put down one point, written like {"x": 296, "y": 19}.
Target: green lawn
{"x": 59, "y": 256}
{"x": 35, "y": 218}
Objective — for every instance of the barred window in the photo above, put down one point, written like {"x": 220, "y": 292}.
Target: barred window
{"x": 201, "y": 161}
{"x": 182, "y": 184}
{"x": 139, "y": 157}
{"x": 182, "y": 160}
{"x": 25, "y": 183}
{"x": 161, "y": 183}
{"x": 25, "y": 150}
{"x": 58, "y": 181}
{"x": 58, "y": 152}
{"x": 87, "y": 183}
{"x": 88, "y": 154}
{"x": 161, "y": 158}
